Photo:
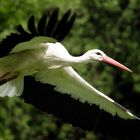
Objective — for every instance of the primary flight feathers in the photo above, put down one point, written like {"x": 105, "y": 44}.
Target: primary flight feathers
{"x": 48, "y": 25}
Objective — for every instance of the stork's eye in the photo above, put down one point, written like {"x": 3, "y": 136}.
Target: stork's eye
{"x": 98, "y": 53}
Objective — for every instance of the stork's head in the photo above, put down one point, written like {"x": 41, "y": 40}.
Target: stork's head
{"x": 98, "y": 55}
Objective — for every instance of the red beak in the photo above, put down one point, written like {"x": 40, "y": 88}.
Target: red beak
{"x": 115, "y": 63}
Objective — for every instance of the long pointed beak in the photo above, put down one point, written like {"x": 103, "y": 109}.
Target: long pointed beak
{"x": 111, "y": 61}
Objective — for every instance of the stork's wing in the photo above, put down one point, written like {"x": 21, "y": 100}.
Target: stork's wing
{"x": 67, "y": 81}
{"x": 48, "y": 26}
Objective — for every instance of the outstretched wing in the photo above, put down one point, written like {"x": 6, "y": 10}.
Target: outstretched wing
{"x": 48, "y": 26}
{"x": 67, "y": 81}
{"x": 83, "y": 115}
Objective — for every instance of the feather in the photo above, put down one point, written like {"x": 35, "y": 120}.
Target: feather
{"x": 13, "y": 87}
{"x": 32, "y": 44}
{"x": 42, "y": 23}
{"x": 67, "y": 28}
{"x": 52, "y": 22}
{"x": 62, "y": 23}
{"x": 31, "y": 25}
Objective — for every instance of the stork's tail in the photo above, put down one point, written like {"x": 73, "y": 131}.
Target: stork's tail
{"x": 13, "y": 87}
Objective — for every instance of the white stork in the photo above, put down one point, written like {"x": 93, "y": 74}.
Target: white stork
{"x": 39, "y": 54}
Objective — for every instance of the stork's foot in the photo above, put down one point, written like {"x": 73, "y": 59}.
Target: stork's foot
{"x": 7, "y": 77}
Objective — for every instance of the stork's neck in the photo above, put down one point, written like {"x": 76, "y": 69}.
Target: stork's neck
{"x": 80, "y": 59}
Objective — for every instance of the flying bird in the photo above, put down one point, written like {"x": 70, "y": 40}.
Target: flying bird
{"x": 39, "y": 55}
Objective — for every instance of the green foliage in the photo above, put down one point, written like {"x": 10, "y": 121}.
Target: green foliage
{"x": 116, "y": 30}
{"x": 112, "y": 26}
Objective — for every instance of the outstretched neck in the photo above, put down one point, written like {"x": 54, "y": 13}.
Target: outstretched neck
{"x": 80, "y": 59}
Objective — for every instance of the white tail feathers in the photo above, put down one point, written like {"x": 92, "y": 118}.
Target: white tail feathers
{"x": 13, "y": 87}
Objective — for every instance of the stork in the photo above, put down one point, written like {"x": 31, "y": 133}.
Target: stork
{"x": 38, "y": 54}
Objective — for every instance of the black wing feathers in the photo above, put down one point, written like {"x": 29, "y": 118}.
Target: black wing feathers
{"x": 66, "y": 28}
{"x": 61, "y": 24}
{"x": 42, "y": 23}
{"x": 31, "y": 26}
{"x": 52, "y": 23}
{"x": 21, "y": 30}
{"x": 48, "y": 25}
{"x": 83, "y": 115}
{"x": 10, "y": 41}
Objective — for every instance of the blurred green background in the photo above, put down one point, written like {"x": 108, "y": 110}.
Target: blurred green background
{"x": 112, "y": 26}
